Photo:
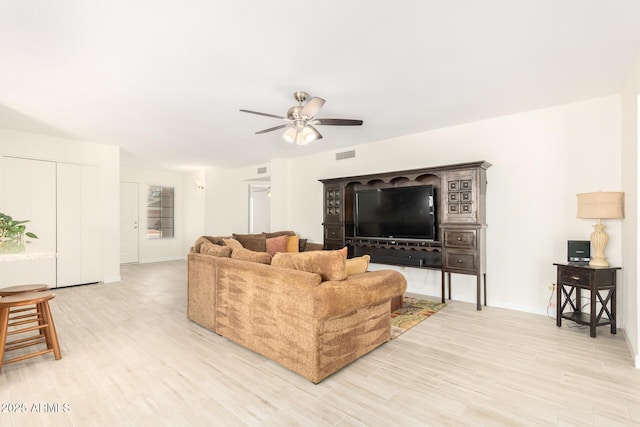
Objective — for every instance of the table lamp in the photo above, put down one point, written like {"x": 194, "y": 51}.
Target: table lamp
{"x": 600, "y": 205}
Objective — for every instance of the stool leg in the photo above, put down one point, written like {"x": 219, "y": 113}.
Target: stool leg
{"x": 4, "y": 323}
{"x": 50, "y": 332}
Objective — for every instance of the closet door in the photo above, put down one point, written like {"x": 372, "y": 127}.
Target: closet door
{"x": 28, "y": 192}
{"x": 79, "y": 236}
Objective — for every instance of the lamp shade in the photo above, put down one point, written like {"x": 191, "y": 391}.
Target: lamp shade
{"x": 601, "y": 205}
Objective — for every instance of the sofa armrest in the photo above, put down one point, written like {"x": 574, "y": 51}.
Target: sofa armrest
{"x": 201, "y": 279}
{"x": 361, "y": 290}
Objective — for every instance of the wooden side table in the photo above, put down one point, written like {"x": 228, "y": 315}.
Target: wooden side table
{"x": 600, "y": 282}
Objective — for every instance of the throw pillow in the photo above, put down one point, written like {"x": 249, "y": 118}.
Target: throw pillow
{"x": 232, "y": 243}
{"x": 243, "y": 254}
{"x": 302, "y": 244}
{"x": 254, "y": 242}
{"x": 293, "y": 244}
{"x": 209, "y": 248}
{"x": 330, "y": 265}
{"x": 276, "y": 244}
{"x": 357, "y": 265}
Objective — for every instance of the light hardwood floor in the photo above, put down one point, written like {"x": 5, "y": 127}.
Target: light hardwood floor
{"x": 131, "y": 357}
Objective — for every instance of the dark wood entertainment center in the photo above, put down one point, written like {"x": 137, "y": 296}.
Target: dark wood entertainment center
{"x": 459, "y": 197}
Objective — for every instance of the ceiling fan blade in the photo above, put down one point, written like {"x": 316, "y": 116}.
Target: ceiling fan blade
{"x": 286, "y": 125}
{"x": 317, "y": 134}
{"x": 337, "y": 122}
{"x": 313, "y": 106}
{"x": 263, "y": 114}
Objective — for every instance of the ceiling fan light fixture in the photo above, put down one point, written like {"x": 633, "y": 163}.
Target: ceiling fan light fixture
{"x": 291, "y": 134}
{"x": 308, "y": 135}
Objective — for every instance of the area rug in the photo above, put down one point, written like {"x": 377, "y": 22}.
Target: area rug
{"x": 413, "y": 311}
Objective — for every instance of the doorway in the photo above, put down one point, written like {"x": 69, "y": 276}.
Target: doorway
{"x": 259, "y": 208}
{"x": 129, "y": 223}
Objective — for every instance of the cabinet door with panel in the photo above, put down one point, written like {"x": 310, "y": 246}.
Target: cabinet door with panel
{"x": 78, "y": 223}
{"x": 28, "y": 192}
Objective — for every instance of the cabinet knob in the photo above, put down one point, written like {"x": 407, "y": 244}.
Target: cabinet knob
{"x": 575, "y": 277}
{"x": 459, "y": 261}
{"x": 459, "y": 238}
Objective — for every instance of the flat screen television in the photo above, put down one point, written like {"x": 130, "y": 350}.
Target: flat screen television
{"x": 399, "y": 212}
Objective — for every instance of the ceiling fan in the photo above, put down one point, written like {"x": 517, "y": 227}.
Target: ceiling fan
{"x": 301, "y": 122}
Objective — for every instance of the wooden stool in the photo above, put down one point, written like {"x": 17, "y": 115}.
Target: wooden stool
{"x": 12, "y": 290}
{"x": 18, "y": 303}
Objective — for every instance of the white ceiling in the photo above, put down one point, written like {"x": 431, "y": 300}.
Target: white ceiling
{"x": 164, "y": 79}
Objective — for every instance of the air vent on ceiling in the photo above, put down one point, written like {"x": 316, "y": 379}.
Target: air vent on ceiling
{"x": 346, "y": 155}
{"x": 262, "y": 170}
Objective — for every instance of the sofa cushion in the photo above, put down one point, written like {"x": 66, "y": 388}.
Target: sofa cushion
{"x": 293, "y": 244}
{"x": 254, "y": 242}
{"x": 330, "y": 265}
{"x": 357, "y": 265}
{"x": 244, "y": 254}
{"x": 202, "y": 239}
{"x": 279, "y": 233}
{"x": 276, "y": 244}
{"x": 232, "y": 243}
{"x": 209, "y": 248}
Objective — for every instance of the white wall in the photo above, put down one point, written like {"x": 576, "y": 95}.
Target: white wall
{"x": 541, "y": 160}
{"x": 629, "y": 290}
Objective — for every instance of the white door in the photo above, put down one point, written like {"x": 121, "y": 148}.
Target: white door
{"x": 259, "y": 208}
{"x": 129, "y": 229}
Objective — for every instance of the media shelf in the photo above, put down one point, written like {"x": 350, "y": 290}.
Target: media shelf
{"x": 459, "y": 202}
{"x": 407, "y": 252}
{"x": 383, "y": 242}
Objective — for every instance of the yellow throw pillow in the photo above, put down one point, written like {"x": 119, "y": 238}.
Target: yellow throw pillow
{"x": 357, "y": 265}
{"x": 293, "y": 244}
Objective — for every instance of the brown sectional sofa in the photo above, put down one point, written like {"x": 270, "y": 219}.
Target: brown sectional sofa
{"x": 301, "y": 311}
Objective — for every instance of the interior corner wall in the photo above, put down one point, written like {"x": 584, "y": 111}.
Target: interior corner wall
{"x": 541, "y": 159}
{"x": 193, "y": 208}
{"x": 630, "y": 157}
{"x": 227, "y": 202}
{"x": 155, "y": 250}
{"x": 41, "y": 147}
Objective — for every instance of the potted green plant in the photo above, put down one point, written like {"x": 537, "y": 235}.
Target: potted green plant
{"x": 12, "y": 230}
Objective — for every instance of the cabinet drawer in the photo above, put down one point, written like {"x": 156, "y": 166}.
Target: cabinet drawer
{"x": 461, "y": 261}
{"x": 460, "y": 239}
{"x": 574, "y": 276}
{"x": 335, "y": 233}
